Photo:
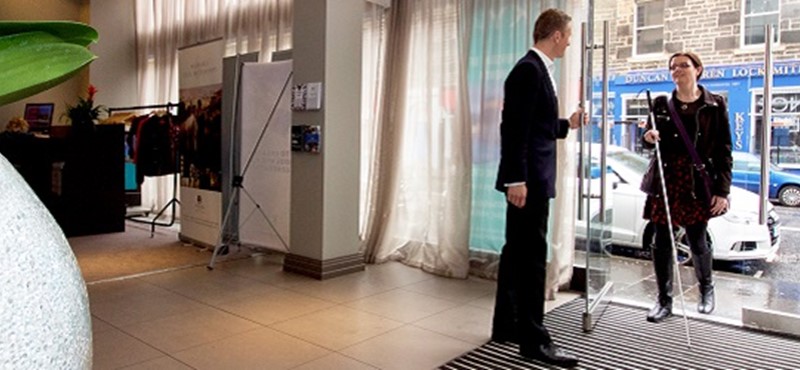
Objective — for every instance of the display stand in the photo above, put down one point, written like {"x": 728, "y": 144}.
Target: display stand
{"x": 172, "y": 202}
{"x": 237, "y": 185}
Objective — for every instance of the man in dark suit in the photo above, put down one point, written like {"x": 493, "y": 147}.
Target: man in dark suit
{"x": 529, "y": 129}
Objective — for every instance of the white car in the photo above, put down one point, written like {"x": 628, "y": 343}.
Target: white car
{"x": 737, "y": 235}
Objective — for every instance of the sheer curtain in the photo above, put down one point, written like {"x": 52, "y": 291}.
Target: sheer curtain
{"x": 420, "y": 211}
{"x": 433, "y": 78}
{"x": 502, "y": 32}
{"x": 163, "y": 26}
{"x": 372, "y": 85}
{"x": 564, "y": 207}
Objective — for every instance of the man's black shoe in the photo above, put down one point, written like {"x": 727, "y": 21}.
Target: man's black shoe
{"x": 659, "y": 312}
{"x": 549, "y": 353}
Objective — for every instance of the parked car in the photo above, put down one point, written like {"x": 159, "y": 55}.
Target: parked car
{"x": 737, "y": 235}
{"x": 784, "y": 186}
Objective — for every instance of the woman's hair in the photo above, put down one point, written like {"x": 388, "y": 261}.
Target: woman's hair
{"x": 692, "y": 56}
{"x": 551, "y": 20}
{"x": 17, "y": 124}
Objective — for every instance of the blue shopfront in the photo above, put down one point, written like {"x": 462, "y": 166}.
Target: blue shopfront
{"x": 741, "y": 84}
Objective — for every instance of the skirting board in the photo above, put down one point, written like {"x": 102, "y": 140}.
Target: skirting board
{"x": 323, "y": 269}
{"x": 771, "y": 321}
{"x": 196, "y": 242}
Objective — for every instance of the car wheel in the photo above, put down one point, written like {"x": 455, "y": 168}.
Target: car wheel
{"x": 682, "y": 243}
{"x": 789, "y": 196}
{"x": 684, "y": 252}
{"x": 648, "y": 240}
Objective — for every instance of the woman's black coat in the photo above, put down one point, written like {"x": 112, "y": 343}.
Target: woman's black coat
{"x": 712, "y": 138}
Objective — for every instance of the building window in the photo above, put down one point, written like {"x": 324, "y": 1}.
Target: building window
{"x": 634, "y": 120}
{"x": 635, "y": 109}
{"x": 785, "y": 138}
{"x": 756, "y": 14}
{"x": 649, "y": 27}
{"x": 634, "y": 106}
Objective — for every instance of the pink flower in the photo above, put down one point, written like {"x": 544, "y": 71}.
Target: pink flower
{"x": 92, "y": 90}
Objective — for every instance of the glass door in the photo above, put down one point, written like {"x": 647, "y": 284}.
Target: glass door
{"x": 595, "y": 209}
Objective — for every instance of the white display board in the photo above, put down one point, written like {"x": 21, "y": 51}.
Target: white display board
{"x": 268, "y": 178}
{"x": 200, "y": 90}
{"x": 200, "y": 215}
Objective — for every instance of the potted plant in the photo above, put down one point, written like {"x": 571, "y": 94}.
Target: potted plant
{"x": 85, "y": 114}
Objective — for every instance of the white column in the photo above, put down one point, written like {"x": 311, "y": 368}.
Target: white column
{"x": 327, "y": 49}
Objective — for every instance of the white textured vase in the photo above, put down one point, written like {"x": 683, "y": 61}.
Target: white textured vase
{"x": 44, "y": 309}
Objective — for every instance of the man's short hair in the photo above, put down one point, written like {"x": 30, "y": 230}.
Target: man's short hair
{"x": 550, "y": 21}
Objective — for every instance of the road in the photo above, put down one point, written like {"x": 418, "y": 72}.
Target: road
{"x": 786, "y": 265}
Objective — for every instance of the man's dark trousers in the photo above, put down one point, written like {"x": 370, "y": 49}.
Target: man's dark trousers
{"x": 519, "y": 305}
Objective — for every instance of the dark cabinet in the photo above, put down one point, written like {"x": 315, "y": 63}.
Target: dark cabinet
{"x": 78, "y": 175}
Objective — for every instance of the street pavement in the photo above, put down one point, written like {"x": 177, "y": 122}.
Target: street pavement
{"x": 756, "y": 284}
{"x": 785, "y": 266}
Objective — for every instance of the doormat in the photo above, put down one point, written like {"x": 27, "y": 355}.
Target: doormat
{"x": 623, "y": 339}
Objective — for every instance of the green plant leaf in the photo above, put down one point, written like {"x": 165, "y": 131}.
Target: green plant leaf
{"x": 26, "y": 38}
{"x": 35, "y": 56}
{"x": 70, "y": 32}
{"x": 32, "y": 62}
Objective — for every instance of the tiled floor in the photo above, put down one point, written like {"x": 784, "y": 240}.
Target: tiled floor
{"x": 635, "y": 285}
{"x": 249, "y": 314}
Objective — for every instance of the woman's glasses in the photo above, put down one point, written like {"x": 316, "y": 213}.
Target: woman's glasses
{"x": 683, "y": 65}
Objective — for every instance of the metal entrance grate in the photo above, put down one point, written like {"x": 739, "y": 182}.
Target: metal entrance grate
{"x": 623, "y": 339}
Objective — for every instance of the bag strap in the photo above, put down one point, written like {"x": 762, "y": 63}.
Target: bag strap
{"x": 698, "y": 163}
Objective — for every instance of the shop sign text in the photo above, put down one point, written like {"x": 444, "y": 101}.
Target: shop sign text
{"x": 791, "y": 68}
{"x": 738, "y": 130}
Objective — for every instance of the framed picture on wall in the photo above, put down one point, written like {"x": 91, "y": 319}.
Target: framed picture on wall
{"x": 39, "y": 116}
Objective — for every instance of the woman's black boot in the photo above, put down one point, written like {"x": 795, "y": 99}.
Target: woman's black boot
{"x": 706, "y": 304}
{"x": 703, "y": 264}
{"x": 663, "y": 265}
{"x": 659, "y": 312}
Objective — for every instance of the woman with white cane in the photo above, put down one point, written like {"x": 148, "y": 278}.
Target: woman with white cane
{"x": 695, "y": 153}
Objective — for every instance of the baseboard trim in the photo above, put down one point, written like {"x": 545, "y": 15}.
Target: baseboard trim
{"x": 578, "y": 282}
{"x": 326, "y": 269}
{"x": 771, "y": 320}
{"x": 183, "y": 238}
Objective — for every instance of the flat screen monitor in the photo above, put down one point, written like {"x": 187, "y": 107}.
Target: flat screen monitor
{"x": 39, "y": 116}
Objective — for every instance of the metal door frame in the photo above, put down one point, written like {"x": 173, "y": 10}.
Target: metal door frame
{"x": 593, "y": 308}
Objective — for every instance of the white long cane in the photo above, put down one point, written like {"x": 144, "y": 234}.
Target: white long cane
{"x": 676, "y": 271}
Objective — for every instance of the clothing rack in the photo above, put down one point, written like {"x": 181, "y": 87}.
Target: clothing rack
{"x": 140, "y": 107}
{"x": 172, "y": 202}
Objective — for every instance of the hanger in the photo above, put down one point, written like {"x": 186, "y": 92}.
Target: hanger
{"x": 120, "y": 117}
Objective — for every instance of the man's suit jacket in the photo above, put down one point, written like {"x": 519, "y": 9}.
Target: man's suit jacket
{"x": 529, "y": 129}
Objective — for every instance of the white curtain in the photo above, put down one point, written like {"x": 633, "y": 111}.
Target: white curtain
{"x": 372, "y": 85}
{"x": 433, "y": 91}
{"x": 563, "y": 209}
{"x": 502, "y": 33}
{"x": 164, "y": 26}
{"x": 422, "y": 150}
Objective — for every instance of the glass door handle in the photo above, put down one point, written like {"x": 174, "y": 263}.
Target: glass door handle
{"x": 583, "y": 93}
{"x": 605, "y": 129}
{"x": 766, "y": 127}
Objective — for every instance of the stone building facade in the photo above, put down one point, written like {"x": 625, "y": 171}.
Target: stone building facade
{"x": 644, "y": 33}
{"x": 710, "y": 28}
